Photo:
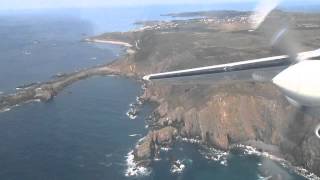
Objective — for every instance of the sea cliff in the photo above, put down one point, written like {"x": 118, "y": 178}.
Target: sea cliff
{"x": 224, "y": 114}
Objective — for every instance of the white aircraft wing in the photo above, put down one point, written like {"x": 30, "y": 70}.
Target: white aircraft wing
{"x": 230, "y": 67}
{"x": 268, "y": 62}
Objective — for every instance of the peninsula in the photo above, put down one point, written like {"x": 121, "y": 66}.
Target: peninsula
{"x": 218, "y": 115}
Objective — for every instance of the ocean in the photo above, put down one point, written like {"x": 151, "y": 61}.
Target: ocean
{"x": 84, "y": 133}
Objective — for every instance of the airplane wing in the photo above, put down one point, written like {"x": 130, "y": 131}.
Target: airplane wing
{"x": 268, "y": 62}
{"x": 230, "y": 67}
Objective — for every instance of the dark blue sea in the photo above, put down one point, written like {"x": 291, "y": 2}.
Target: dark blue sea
{"x": 84, "y": 133}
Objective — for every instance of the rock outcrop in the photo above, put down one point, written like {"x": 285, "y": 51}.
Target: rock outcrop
{"x": 150, "y": 145}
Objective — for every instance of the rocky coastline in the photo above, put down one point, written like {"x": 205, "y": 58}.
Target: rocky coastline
{"x": 221, "y": 115}
{"x": 218, "y": 115}
{"x": 47, "y": 90}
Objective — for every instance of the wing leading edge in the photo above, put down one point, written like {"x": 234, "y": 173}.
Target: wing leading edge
{"x": 230, "y": 67}
{"x": 268, "y": 62}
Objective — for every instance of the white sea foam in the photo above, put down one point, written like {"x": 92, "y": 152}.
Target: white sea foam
{"x": 130, "y": 115}
{"x": 5, "y": 110}
{"x": 1, "y": 92}
{"x": 141, "y": 139}
{"x": 134, "y": 108}
{"x": 177, "y": 167}
{"x": 17, "y": 105}
{"x": 133, "y": 111}
{"x": 248, "y": 150}
{"x": 301, "y": 171}
{"x": 190, "y": 140}
{"x": 264, "y": 178}
{"x": 209, "y": 153}
{"x": 139, "y": 100}
{"x": 215, "y": 155}
{"x": 133, "y": 169}
{"x": 134, "y": 135}
{"x": 224, "y": 162}
{"x": 166, "y": 149}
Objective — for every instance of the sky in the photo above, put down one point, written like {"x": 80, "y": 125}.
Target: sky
{"x": 39, "y": 4}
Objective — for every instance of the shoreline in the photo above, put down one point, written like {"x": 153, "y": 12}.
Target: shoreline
{"x": 47, "y": 90}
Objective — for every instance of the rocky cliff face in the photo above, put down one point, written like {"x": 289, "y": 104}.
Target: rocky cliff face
{"x": 224, "y": 114}
{"x": 229, "y": 115}
{"x": 234, "y": 114}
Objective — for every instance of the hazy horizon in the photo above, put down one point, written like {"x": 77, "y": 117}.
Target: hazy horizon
{"x": 65, "y": 4}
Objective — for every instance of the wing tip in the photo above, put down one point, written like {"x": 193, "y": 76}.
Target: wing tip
{"x": 146, "y": 78}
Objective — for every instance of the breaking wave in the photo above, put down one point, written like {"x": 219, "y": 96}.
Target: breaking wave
{"x": 177, "y": 167}
{"x": 133, "y": 169}
{"x": 131, "y": 116}
{"x": 208, "y": 153}
{"x": 135, "y": 135}
{"x": 263, "y": 178}
{"x": 133, "y": 111}
{"x": 139, "y": 100}
{"x": 5, "y": 110}
{"x": 190, "y": 140}
{"x": 17, "y": 105}
{"x": 165, "y": 149}
{"x": 249, "y": 150}
{"x": 215, "y": 155}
